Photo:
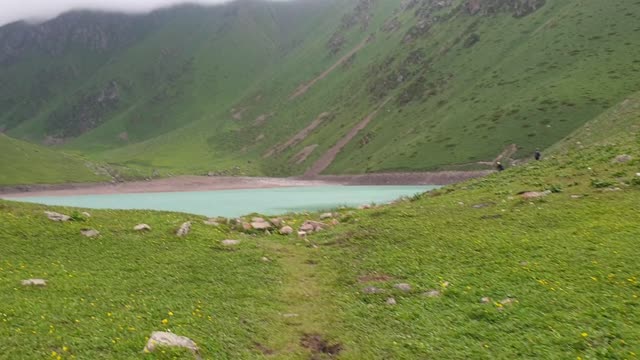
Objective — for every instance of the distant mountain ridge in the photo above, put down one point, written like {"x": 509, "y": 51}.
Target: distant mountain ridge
{"x": 401, "y": 85}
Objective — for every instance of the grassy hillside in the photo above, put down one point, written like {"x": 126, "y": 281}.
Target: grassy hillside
{"x": 25, "y": 163}
{"x": 442, "y": 84}
{"x": 558, "y": 273}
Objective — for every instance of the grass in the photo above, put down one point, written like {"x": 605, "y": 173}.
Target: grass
{"x": 560, "y": 272}
{"x": 25, "y": 163}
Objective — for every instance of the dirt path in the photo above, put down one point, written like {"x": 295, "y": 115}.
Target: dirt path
{"x": 309, "y": 309}
{"x": 321, "y": 164}
{"x": 303, "y": 88}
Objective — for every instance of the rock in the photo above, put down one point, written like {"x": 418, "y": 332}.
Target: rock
{"x": 289, "y": 315}
{"x": 485, "y": 300}
{"x": 230, "y": 242}
{"x": 432, "y": 294}
{"x": 277, "y": 222}
{"x": 184, "y": 229}
{"x": 530, "y": 195}
{"x": 403, "y": 287}
{"x": 211, "y": 222}
{"x": 312, "y": 226}
{"x": 577, "y": 196}
{"x": 86, "y": 214}
{"x": 265, "y": 259}
{"x": 260, "y": 225}
{"x": 302, "y": 234}
{"x": 287, "y": 230}
{"x": 142, "y": 227}
{"x": 481, "y": 206}
{"x": 90, "y": 232}
{"x": 508, "y": 301}
{"x": 372, "y": 290}
{"x": 161, "y": 338}
{"x": 54, "y": 216}
{"x": 622, "y": 159}
{"x": 258, "y": 220}
{"x": 34, "y": 282}
{"x": 391, "y": 301}
{"x": 326, "y": 216}
{"x": 612, "y": 189}
{"x": 246, "y": 227}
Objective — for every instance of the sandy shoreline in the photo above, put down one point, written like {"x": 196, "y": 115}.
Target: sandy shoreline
{"x": 204, "y": 183}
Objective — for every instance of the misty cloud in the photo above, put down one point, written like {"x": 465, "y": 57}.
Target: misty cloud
{"x": 14, "y": 10}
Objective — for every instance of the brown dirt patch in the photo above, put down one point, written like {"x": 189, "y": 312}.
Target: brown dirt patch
{"x": 323, "y": 163}
{"x": 303, "y": 88}
{"x": 237, "y": 114}
{"x": 297, "y": 138}
{"x": 302, "y": 156}
{"x": 263, "y": 349}
{"x": 375, "y": 278}
{"x": 318, "y": 345}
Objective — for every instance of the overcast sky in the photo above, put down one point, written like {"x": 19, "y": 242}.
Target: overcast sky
{"x": 13, "y": 10}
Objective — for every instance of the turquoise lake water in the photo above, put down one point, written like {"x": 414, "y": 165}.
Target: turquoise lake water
{"x": 233, "y": 203}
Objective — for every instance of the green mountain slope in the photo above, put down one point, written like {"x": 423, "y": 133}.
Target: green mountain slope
{"x": 490, "y": 274}
{"x": 241, "y": 88}
{"x": 25, "y": 163}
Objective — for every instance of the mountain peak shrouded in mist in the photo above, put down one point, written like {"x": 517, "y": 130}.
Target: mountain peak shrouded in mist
{"x": 38, "y": 10}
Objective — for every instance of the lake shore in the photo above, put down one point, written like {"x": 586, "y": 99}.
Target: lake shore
{"x": 205, "y": 183}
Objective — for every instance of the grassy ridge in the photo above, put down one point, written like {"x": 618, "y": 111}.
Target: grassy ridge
{"x": 560, "y": 271}
{"x": 25, "y": 163}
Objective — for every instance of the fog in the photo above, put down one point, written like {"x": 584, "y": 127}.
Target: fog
{"x": 39, "y": 10}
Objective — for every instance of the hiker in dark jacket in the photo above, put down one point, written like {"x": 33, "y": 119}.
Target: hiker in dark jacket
{"x": 499, "y": 166}
{"x": 538, "y": 155}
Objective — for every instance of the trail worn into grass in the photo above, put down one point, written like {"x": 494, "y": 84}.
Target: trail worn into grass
{"x": 309, "y": 314}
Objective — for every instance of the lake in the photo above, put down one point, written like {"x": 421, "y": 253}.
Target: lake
{"x": 234, "y": 203}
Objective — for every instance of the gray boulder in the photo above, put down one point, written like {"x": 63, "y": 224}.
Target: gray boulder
{"x": 142, "y": 227}
{"x": 184, "y": 229}
{"x": 34, "y": 282}
{"x": 54, "y": 216}
{"x": 90, "y": 233}
{"x": 166, "y": 339}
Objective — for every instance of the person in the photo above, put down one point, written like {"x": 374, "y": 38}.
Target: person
{"x": 500, "y": 166}
{"x": 538, "y": 155}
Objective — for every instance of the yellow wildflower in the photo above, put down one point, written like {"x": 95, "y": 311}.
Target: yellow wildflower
{"x": 165, "y": 321}
{"x": 584, "y": 334}
{"x": 170, "y": 313}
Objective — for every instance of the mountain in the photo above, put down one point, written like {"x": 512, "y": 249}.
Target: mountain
{"x": 310, "y": 87}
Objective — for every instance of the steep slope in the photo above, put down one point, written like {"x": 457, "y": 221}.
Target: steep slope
{"x": 25, "y": 163}
{"x": 470, "y": 271}
{"x": 416, "y": 85}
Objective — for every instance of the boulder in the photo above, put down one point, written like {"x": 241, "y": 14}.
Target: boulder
{"x": 372, "y": 290}
{"x": 287, "y": 230}
{"x": 184, "y": 229}
{"x": 260, "y": 225}
{"x": 403, "y": 287}
{"x": 312, "y": 226}
{"x": 391, "y": 301}
{"x": 622, "y": 159}
{"x": 54, "y": 216}
{"x": 230, "y": 242}
{"x": 432, "y": 294}
{"x": 167, "y": 339}
{"x": 531, "y": 195}
{"x": 142, "y": 227}
{"x": 326, "y": 216}
{"x": 258, "y": 219}
{"x": 86, "y": 214}
{"x": 90, "y": 232}
{"x": 34, "y": 282}
{"x": 277, "y": 222}
{"x": 211, "y": 222}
